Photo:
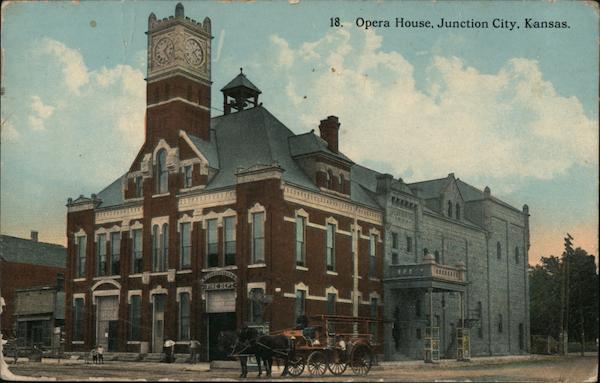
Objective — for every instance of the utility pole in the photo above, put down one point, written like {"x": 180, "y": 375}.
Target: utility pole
{"x": 564, "y": 301}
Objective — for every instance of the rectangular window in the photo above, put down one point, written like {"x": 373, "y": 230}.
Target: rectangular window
{"x": 78, "y": 318}
{"x": 156, "y": 261}
{"x": 101, "y": 255}
{"x": 300, "y": 248}
{"x": 418, "y": 333}
{"x": 138, "y": 186}
{"x": 212, "y": 243}
{"x": 300, "y": 300}
{"x": 500, "y": 323}
{"x": 395, "y": 241}
{"x": 80, "y": 266}
{"x": 372, "y": 259}
{"x": 408, "y": 244}
{"x": 136, "y": 251}
{"x": 184, "y": 316}
{"x": 135, "y": 315}
{"x": 258, "y": 238}
{"x": 255, "y": 305}
{"x": 394, "y": 258}
{"x": 373, "y": 325}
{"x": 331, "y": 299}
{"x": 187, "y": 176}
{"x": 330, "y": 250}
{"x": 115, "y": 253}
{"x": 185, "y": 240}
{"x": 229, "y": 241}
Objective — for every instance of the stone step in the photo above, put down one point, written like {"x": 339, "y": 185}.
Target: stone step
{"x": 225, "y": 365}
{"x": 153, "y": 357}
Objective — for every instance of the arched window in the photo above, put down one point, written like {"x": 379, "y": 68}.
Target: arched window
{"x": 498, "y": 250}
{"x": 425, "y": 251}
{"x": 155, "y": 248}
{"x": 457, "y": 211}
{"x": 517, "y": 254}
{"x": 341, "y": 183}
{"x": 436, "y": 254}
{"x": 450, "y": 209}
{"x": 161, "y": 174}
{"x": 329, "y": 180}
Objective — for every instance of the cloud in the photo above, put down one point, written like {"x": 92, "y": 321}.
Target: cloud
{"x": 40, "y": 113}
{"x": 508, "y": 124}
{"x": 74, "y": 70}
{"x": 9, "y": 133}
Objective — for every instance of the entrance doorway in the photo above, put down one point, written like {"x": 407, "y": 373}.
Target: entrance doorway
{"x": 158, "y": 322}
{"x": 107, "y": 320}
{"x": 218, "y": 322}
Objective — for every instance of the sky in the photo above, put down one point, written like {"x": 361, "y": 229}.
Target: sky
{"x": 515, "y": 110}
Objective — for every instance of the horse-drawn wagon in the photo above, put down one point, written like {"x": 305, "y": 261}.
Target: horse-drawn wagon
{"x": 334, "y": 343}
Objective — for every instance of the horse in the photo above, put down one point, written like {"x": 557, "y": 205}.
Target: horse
{"x": 240, "y": 344}
{"x": 269, "y": 346}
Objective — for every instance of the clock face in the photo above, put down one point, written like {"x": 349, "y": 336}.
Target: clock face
{"x": 163, "y": 51}
{"x": 193, "y": 52}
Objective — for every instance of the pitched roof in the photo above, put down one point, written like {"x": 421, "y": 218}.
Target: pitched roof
{"x": 430, "y": 188}
{"x": 471, "y": 193}
{"x": 20, "y": 250}
{"x": 309, "y": 143}
{"x": 207, "y": 148}
{"x": 368, "y": 179}
{"x": 112, "y": 195}
{"x": 241, "y": 81}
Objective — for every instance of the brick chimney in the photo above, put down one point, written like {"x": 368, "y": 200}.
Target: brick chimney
{"x": 329, "y": 132}
{"x": 34, "y": 235}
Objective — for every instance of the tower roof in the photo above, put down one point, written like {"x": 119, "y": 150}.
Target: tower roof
{"x": 241, "y": 81}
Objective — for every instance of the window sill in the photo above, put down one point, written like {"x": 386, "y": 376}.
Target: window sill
{"x": 257, "y": 265}
{"x": 134, "y": 199}
{"x": 107, "y": 277}
{"x": 329, "y": 272}
{"x": 219, "y": 268}
{"x": 133, "y": 342}
{"x": 186, "y": 342}
{"x": 79, "y": 279}
{"x": 135, "y": 275}
{"x": 374, "y": 279}
{"x": 159, "y": 273}
{"x": 186, "y": 271}
{"x": 160, "y": 195}
{"x": 77, "y": 342}
{"x": 301, "y": 268}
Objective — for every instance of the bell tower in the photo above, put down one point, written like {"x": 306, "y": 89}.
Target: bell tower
{"x": 179, "y": 80}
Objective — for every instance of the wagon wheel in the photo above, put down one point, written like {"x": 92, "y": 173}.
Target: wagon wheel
{"x": 317, "y": 363}
{"x": 335, "y": 362}
{"x": 361, "y": 359}
{"x": 295, "y": 365}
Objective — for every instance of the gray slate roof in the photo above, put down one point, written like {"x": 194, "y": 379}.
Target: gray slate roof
{"x": 431, "y": 188}
{"x": 208, "y": 149}
{"x": 19, "y": 250}
{"x": 240, "y": 80}
{"x": 309, "y": 143}
{"x": 112, "y": 195}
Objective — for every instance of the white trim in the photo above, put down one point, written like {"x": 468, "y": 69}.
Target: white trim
{"x": 159, "y": 273}
{"x": 373, "y": 231}
{"x": 210, "y": 216}
{"x": 123, "y": 215}
{"x": 219, "y": 268}
{"x": 315, "y": 225}
{"x": 131, "y": 293}
{"x": 106, "y": 277}
{"x": 256, "y": 285}
{"x": 301, "y": 268}
{"x": 204, "y": 200}
{"x": 186, "y": 271}
{"x": 185, "y": 219}
{"x": 333, "y": 221}
{"x": 301, "y": 213}
{"x": 79, "y": 279}
{"x": 78, "y": 296}
{"x": 289, "y": 219}
{"x": 256, "y": 208}
{"x": 160, "y": 221}
{"x": 80, "y": 233}
{"x": 76, "y": 342}
{"x": 181, "y": 290}
{"x": 177, "y": 99}
{"x": 187, "y": 139}
{"x": 106, "y": 280}
{"x": 256, "y": 265}
{"x": 343, "y": 232}
{"x": 133, "y": 342}
{"x": 135, "y": 275}
{"x": 331, "y": 290}
{"x": 136, "y": 226}
{"x": 99, "y": 231}
{"x": 374, "y": 279}
{"x": 162, "y": 144}
{"x": 105, "y": 293}
{"x": 158, "y": 290}
{"x": 160, "y": 195}
{"x": 332, "y": 272}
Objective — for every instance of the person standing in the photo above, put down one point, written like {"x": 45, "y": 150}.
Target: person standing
{"x": 100, "y": 352}
{"x": 169, "y": 347}
{"x": 194, "y": 350}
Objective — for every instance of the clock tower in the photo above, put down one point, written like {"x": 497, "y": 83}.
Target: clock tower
{"x": 179, "y": 81}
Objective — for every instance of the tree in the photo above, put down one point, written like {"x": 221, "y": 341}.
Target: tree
{"x": 570, "y": 282}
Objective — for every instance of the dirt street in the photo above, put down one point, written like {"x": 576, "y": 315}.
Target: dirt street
{"x": 538, "y": 368}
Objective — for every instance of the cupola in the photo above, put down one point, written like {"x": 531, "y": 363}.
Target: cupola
{"x": 239, "y": 94}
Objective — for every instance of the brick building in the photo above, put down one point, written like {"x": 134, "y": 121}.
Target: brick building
{"x": 27, "y": 264}
{"x": 231, "y": 220}
{"x": 216, "y": 213}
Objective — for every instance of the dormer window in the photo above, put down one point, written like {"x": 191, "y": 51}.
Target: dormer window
{"x": 329, "y": 179}
{"x": 450, "y": 209}
{"x": 341, "y": 183}
{"x": 187, "y": 176}
{"x": 161, "y": 174}
{"x": 457, "y": 211}
{"x": 138, "y": 186}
